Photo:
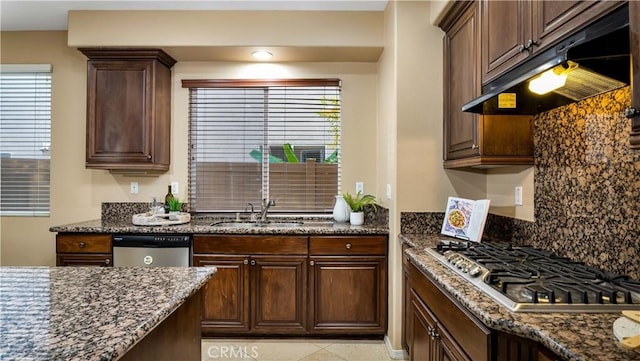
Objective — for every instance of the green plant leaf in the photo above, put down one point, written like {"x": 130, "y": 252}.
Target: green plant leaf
{"x": 257, "y": 155}
{"x": 358, "y": 202}
{"x": 333, "y": 158}
{"x": 289, "y": 154}
{"x": 174, "y": 204}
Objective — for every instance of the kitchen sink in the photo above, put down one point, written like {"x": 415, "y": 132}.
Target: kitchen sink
{"x": 256, "y": 224}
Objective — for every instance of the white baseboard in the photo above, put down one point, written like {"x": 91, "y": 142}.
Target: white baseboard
{"x": 400, "y": 354}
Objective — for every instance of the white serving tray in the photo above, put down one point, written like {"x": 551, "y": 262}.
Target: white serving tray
{"x": 148, "y": 219}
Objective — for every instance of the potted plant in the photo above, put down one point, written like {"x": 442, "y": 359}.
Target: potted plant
{"x": 174, "y": 208}
{"x": 357, "y": 205}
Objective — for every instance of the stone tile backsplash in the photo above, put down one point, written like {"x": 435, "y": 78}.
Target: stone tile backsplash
{"x": 587, "y": 188}
{"x": 587, "y": 183}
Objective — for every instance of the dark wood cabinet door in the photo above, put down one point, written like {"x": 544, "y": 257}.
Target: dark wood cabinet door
{"x": 422, "y": 346}
{"x": 506, "y": 29}
{"x": 347, "y": 295}
{"x": 554, "y": 20}
{"x": 79, "y": 260}
{"x": 225, "y": 298}
{"x": 279, "y": 299}
{"x": 119, "y": 95}
{"x": 447, "y": 348}
{"x": 407, "y": 315}
{"x": 461, "y": 85}
{"x": 128, "y": 109}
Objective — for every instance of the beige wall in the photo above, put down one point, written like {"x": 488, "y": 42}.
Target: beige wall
{"x": 77, "y": 193}
{"x": 392, "y": 134}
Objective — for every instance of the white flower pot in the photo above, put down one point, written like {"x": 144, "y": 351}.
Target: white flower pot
{"x": 356, "y": 218}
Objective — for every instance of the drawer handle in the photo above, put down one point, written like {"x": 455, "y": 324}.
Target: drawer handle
{"x": 253, "y": 262}
{"x": 81, "y": 244}
{"x": 107, "y": 261}
{"x": 348, "y": 246}
{"x": 246, "y": 261}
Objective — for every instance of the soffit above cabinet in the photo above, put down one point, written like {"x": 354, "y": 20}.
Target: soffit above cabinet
{"x": 232, "y": 35}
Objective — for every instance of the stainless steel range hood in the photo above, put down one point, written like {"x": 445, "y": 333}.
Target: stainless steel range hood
{"x": 598, "y": 54}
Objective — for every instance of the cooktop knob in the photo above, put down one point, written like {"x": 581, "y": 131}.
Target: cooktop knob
{"x": 474, "y": 271}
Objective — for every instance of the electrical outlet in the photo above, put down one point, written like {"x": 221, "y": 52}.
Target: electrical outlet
{"x": 518, "y": 196}
{"x": 359, "y": 187}
{"x": 388, "y": 191}
{"x": 174, "y": 188}
{"x": 134, "y": 188}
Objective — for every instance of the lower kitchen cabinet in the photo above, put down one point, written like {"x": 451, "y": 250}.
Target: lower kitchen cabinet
{"x": 430, "y": 340}
{"x": 293, "y": 285}
{"x": 437, "y": 327}
{"x": 260, "y": 286}
{"x": 225, "y": 298}
{"x": 77, "y": 249}
{"x": 279, "y": 299}
{"x": 440, "y": 329}
{"x": 347, "y": 285}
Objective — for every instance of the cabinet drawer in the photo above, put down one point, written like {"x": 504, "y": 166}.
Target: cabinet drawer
{"x": 83, "y": 243}
{"x": 341, "y": 245}
{"x": 239, "y": 244}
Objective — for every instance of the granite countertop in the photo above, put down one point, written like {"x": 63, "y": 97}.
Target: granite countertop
{"x": 87, "y": 313}
{"x": 573, "y": 336}
{"x": 200, "y": 226}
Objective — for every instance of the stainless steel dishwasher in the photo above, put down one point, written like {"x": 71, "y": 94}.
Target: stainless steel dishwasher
{"x": 151, "y": 250}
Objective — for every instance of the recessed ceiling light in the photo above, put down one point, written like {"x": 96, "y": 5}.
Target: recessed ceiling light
{"x": 262, "y": 55}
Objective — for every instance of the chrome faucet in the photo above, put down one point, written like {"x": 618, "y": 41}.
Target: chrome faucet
{"x": 266, "y": 204}
{"x": 252, "y": 217}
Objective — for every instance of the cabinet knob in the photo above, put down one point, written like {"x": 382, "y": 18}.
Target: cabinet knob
{"x": 246, "y": 261}
{"x": 253, "y": 262}
{"x": 81, "y": 244}
{"x": 632, "y": 113}
{"x": 149, "y": 157}
{"x": 312, "y": 263}
{"x": 475, "y": 146}
{"x": 348, "y": 246}
{"x": 432, "y": 332}
{"x": 522, "y": 49}
{"x": 107, "y": 261}
{"x": 530, "y": 44}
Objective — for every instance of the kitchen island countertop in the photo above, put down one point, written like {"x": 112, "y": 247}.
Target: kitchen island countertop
{"x": 207, "y": 226}
{"x": 572, "y": 336}
{"x": 88, "y": 313}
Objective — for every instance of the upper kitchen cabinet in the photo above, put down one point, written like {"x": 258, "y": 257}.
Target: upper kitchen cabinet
{"x": 472, "y": 140}
{"x": 512, "y": 31}
{"x": 128, "y": 109}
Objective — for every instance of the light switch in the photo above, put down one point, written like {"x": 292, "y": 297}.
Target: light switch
{"x": 174, "y": 188}
{"x": 388, "y": 191}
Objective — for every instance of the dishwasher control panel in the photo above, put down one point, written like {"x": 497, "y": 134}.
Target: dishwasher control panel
{"x": 151, "y": 240}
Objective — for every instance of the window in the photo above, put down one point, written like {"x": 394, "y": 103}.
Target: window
{"x": 252, "y": 139}
{"x": 25, "y": 139}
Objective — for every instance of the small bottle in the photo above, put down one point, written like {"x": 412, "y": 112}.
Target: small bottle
{"x": 167, "y": 198}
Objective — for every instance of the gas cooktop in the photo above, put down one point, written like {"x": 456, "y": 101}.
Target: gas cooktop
{"x": 526, "y": 279}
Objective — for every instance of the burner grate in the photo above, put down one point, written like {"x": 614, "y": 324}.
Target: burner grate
{"x": 521, "y": 275}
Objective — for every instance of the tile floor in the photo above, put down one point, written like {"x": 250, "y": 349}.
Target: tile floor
{"x": 293, "y": 350}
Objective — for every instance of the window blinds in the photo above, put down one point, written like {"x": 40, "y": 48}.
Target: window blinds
{"x": 251, "y": 140}
{"x": 25, "y": 139}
